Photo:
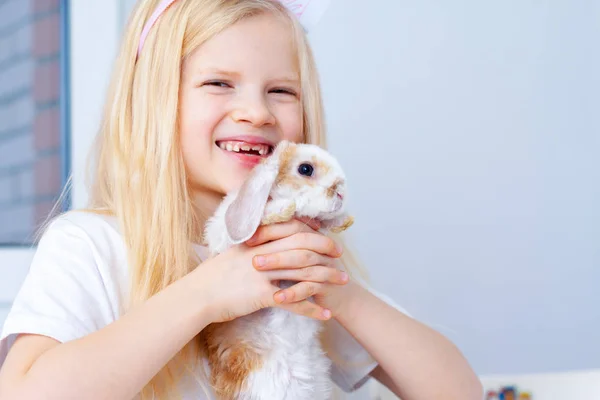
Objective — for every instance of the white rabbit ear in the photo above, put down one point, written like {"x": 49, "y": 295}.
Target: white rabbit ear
{"x": 309, "y": 12}
{"x": 245, "y": 212}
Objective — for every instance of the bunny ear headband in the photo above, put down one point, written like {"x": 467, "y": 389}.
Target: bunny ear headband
{"x": 307, "y": 11}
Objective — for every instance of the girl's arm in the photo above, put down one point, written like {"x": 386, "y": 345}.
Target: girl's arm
{"x": 415, "y": 362}
{"x": 116, "y": 361}
{"x": 112, "y": 363}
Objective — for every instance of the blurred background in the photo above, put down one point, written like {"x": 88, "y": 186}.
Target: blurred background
{"x": 470, "y": 134}
{"x": 32, "y": 147}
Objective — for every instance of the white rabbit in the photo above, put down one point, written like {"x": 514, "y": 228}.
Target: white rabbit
{"x": 274, "y": 354}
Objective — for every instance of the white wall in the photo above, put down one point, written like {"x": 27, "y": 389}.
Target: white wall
{"x": 471, "y": 135}
{"x": 94, "y": 39}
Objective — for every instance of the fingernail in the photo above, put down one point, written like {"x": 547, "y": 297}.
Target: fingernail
{"x": 280, "y": 297}
{"x": 339, "y": 248}
{"x": 260, "y": 261}
{"x": 344, "y": 277}
{"x": 326, "y": 314}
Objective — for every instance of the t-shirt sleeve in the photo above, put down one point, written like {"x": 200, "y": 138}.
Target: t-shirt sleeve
{"x": 63, "y": 295}
{"x": 351, "y": 363}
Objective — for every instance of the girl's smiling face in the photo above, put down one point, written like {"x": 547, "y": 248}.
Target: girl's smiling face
{"x": 240, "y": 95}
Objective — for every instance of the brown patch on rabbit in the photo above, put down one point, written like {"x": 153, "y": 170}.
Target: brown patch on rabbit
{"x": 286, "y": 175}
{"x": 347, "y": 223}
{"x": 231, "y": 363}
{"x": 286, "y": 158}
{"x": 284, "y": 216}
{"x": 322, "y": 167}
{"x": 332, "y": 190}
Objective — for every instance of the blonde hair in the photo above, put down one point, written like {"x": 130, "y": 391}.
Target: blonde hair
{"x": 139, "y": 174}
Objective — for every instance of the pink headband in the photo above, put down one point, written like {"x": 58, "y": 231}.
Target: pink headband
{"x": 308, "y": 11}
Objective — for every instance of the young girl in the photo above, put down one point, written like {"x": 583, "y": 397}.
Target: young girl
{"x": 117, "y": 295}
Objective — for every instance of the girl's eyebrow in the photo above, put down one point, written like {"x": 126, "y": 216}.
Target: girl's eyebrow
{"x": 284, "y": 79}
{"x": 218, "y": 71}
{"x": 294, "y": 80}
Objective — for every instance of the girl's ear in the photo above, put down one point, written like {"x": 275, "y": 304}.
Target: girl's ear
{"x": 245, "y": 212}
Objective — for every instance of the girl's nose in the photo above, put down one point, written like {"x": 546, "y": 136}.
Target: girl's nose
{"x": 253, "y": 110}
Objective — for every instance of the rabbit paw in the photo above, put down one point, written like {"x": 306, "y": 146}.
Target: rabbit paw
{"x": 340, "y": 224}
{"x": 278, "y": 212}
{"x": 229, "y": 377}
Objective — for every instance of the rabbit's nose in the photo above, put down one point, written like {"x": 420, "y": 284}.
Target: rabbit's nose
{"x": 335, "y": 189}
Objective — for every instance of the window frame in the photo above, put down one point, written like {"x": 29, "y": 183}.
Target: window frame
{"x": 89, "y": 35}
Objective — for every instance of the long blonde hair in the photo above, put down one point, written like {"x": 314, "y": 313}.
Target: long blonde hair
{"x": 139, "y": 174}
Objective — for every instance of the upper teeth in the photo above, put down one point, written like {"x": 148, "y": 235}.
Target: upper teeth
{"x": 262, "y": 149}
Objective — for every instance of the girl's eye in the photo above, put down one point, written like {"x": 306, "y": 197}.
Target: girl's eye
{"x": 284, "y": 91}
{"x": 217, "y": 84}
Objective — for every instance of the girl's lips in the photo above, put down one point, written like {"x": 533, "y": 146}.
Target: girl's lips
{"x": 245, "y": 147}
{"x": 246, "y": 160}
{"x": 247, "y": 150}
{"x": 248, "y": 139}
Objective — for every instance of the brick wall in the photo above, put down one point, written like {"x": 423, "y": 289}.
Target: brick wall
{"x": 30, "y": 163}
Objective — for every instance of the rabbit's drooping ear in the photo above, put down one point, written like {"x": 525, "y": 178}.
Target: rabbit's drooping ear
{"x": 244, "y": 214}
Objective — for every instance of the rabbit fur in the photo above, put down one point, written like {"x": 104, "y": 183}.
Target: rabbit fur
{"x": 274, "y": 354}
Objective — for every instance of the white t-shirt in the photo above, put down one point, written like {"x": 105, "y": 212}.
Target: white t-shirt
{"x": 78, "y": 282}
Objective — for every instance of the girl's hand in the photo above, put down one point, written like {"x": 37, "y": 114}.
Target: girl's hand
{"x": 310, "y": 269}
{"x": 233, "y": 285}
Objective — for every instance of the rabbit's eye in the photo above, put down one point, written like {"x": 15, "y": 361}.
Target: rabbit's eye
{"x": 305, "y": 169}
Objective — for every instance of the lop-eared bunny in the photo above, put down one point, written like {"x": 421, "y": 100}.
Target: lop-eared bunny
{"x": 274, "y": 354}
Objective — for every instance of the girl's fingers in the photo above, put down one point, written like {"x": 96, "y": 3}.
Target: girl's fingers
{"x": 267, "y": 233}
{"x": 317, "y": 274}
{"x": 291, "y": 259}
{"x": 298, "y": 292}
{"x": 307, "y": 309}
{"x": 313, "y": 223}
{"x": 312, "y": 241}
